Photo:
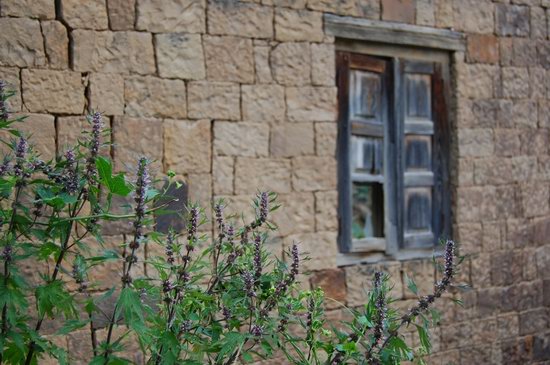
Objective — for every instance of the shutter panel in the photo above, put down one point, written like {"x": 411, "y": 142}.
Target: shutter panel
{"x": 363, "y": 113}
{"x": 420, "y": 208}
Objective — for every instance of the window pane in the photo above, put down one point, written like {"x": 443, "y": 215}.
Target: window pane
{"x": 418, "y": 209}
{"x": 366, "y": 96}
{"x": 418, "y": 153}
{"x": 368, "y": 210}
{"x": 419, "y": 95}
{"x": 367, "y": 155}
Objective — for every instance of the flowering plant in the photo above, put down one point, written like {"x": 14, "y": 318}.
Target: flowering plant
{"x": 220, "y": 300}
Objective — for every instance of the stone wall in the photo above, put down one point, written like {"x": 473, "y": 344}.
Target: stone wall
{"x": 238, "y": 96}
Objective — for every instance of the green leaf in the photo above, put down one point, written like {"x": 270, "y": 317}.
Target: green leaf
{"x": 72, "y": 325}
{"x": 411, "y": 284}
{"x": 117, "y": 184}
{"x": 52, "y": 298}
{"x": 424, "y": 338}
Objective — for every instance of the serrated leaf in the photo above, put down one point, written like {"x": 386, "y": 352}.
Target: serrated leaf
{"x": 411, "y": 284}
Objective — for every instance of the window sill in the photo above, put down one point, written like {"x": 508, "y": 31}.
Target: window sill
{"x": 348, "y": 259}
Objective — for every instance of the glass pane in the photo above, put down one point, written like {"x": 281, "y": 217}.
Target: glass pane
{"x": 419, "y": 95}
{"x": 367, "y": 155}
{"x": 418, "y": 152}
{"x": 365, "y": 95}
{"x": 418, "y": 208}
{"x": 368, "y": 210}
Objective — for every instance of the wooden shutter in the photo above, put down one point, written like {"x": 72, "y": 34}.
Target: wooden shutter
{"x": 424, "y": 150}
{"x": 362, "y": 151}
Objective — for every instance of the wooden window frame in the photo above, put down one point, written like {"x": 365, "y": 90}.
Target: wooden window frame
{"x": 354, "y": 55}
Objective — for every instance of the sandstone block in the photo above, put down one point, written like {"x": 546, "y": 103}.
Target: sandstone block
{"x": 229, "y": 59}
{"x": 532, "y": 321}
{"x": 187, "y": 146}
{"x": 41, "y": 128}
{"x": 537, "y": 81}
{"x": 291, "y": 63}
{"x": 107, "y": 93}
{"x": 122, "y": 14}
{"x": 296, "y": 215}
{"x": 298, "y": 25}
{"x": 113, "y": 52}
{"x": 359, "y": 281}
{"x": 134, "y": 138}
{"x": 180, "y": 55}
{"x": 292, "y": 139}
{"x": 154, "y": 97}
{"x": 365, "y": 9}
{"x": 323, "y": 69}
{"x": 320, "y": 247}
{"x": 214, "y": 100}
{"x": 506, "y": 267}
{"x": 535, "y": 199}
{"x": 241, "y": 139}
{"x": 294, "y": 4}
{"x": 538, "y": 23}
{"x": 311, "y": 104}
{"x": 469, "y": 201}
{"x": 263, "y": 103}
{"x": 399, "y": 11}
{"x": 41, "y": 9}
{"x": 240, "y": 19}
{"x": 53, "y": 91}
{"x": 325, "y": 139}
{"x": 313, "y": 173}
{"x": 326, "y": 211}
{"x": 222, "y": 174}
{"x": 200, "y": 190}
{"x": 543, "y": 51}
{"x": 425, "y": 12}
{"x": 171, "y": 16}
{"x": 474, "y": 16}
{"x": 56, "y": 42}
{"x": 422, "y": 273}
{"x": 89, "y": 14}
{"x": 21, "y": 36}
{"x": 262, "y": 66}
{"x": 523, "y": 115}
{"x": 333, "y": 283}
{"x": 483, "y": 48}
{"x": 263, "y": 174}
{"x": 515, "y": 82}
{"x": 475, "y": 142}
{"x": 507, "y": 142}
{"x": 476, "y": 81}
{"x": 512, "y": 20}
{"x": 11, "y": 76}
{"x": 69, "y": 130}
{"x": 444, "y": 13}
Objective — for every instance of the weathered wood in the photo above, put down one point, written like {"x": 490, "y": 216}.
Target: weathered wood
{"x": 367, "y": 129}
{"x": 419, "y": 179}
{"x": 393, "y": 33}
{"x": 419, "y": 127}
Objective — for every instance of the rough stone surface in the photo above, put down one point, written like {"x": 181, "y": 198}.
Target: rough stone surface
{"x": 298, "y": 25}
{"x": 56, "y": 43}
{"x": 241, "y": 139}
{"x": 311, "y": 104}
{"x": 42, "y": 129}
{"x": 240, "y": 19}
{"x": 53, "y": 91}
{"x": 313, "y": 173}
{"x": 262, "y": 174}
{"x": 213, "y": 100}
{"x": 122, "y": 14}
{"x": 333, "y": 283}
{"x": 21, "y": 42}
{"x": 180, "y": 55}
{"x": 41, "y": 9}
{"x": 515, "y": 82}
{"x": 399, "y": 10}
{"x": 229, "y": 59}
{"x": 187, "y": 146}
{"x": 154, "y": 97}
{"x": 171, "y": 16}
{"x": 10, "y": 75}
{"x": 111, "y": 52}
{"x": 512, "y": 20}
{"x": 296, "y": 214}
{"x": 132, "y": 140}
{"x": 107, "y": 93}
{"x": 326, "y": 212}
{"x": 291, "y": 63}
{"x": 292, "y": 139}
{"x": 262, "y": 66}
{"x": 473, "y": 16}
{"x": 263, "y": 103}
{"x": 89, "y": 14}
{"x": 318, "y": 246}
{"x": 475, "y": 142}
{"x": 323, "y": 69}
{"x": 222, "y": 174}
{"x": 325, "y": 139}
{"x": 483, "y": 48}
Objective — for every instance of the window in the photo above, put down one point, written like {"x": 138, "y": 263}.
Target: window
{"x": 393, "y": 150}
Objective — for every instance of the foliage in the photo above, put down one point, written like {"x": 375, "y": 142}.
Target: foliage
{"x": 205, "y": 300}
